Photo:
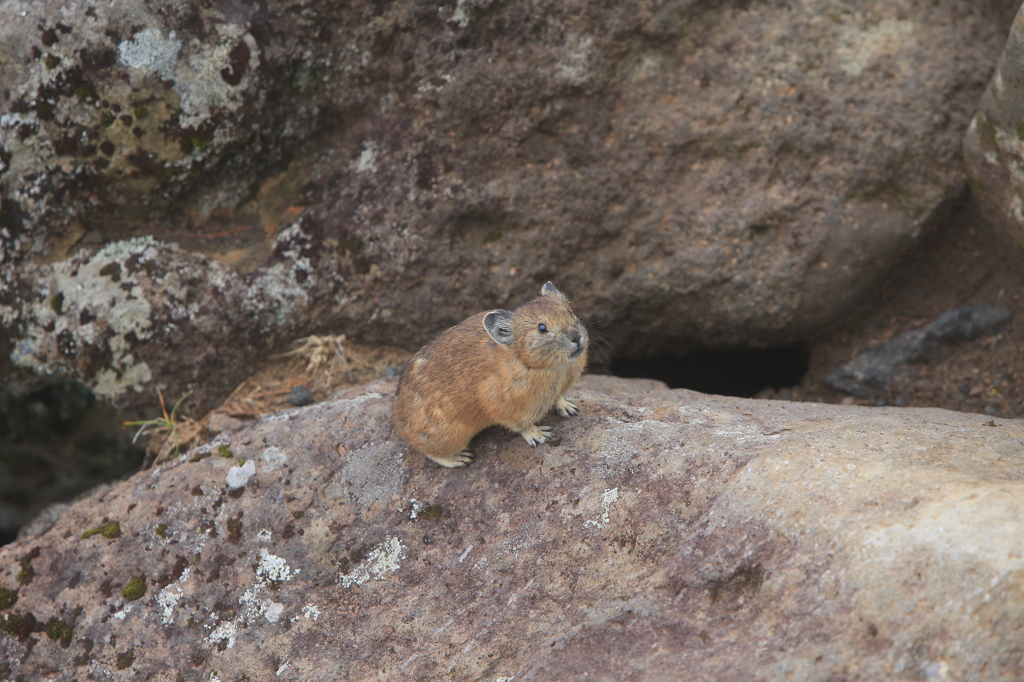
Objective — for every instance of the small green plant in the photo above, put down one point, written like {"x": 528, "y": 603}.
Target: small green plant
{"x": 169, "y": 425}
{"x": 135, "y": 588}
{"x": 8, "y": 598}
{"x": 58, "y": 629}
{"x": 110, "y": 530}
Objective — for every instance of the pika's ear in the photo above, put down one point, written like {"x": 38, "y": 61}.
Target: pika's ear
{"x": 549, "y": 289}
{"x": 498, "y": 324}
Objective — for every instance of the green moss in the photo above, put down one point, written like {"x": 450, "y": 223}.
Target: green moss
{"x": 493, "y": 236}
{"x": 298, "y": 514}
{"x": 44, "y": 110}
{"x": 234, "y": 531}
{"x": 433, "y": 512}
{"x": 141, "y": 111}
{"x": 200, "y": 141}
{"x": 135, "y": 589}
{"x": 26, "y": 573}
{"x": 58, "y": 629}
{"x": 51, "y": 62}
{"x": 161, "y": 530}
{"x": 8, "y": 598}
{"x": 353, "y": 245}
{"x": 1020, "y": 131}
{"x": 224, "y": 451}
{"x": 125, "y": 659}
{"x": 107, "y": 119}
{"x": 57, "y": 303}
{"x": 17, "y": 625}
{"x": 110, "y": 530}
{"x": 166, "y": 173}
{"x": 987, "y": 132}
{"x": 84, "y": 92}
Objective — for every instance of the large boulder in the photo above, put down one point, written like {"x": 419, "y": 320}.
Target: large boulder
{"x": 994, "y": 144}
{"x": 695, "y": 173}
{"x": 661, "y": 534}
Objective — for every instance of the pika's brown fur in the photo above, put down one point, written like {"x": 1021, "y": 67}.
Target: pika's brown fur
{"x": 493, "y": 368}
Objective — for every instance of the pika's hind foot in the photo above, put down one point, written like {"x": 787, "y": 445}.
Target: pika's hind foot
{"x": 463, "y": 458}
{"x": 565, "y": 408}
{"x": 536, "y": 434}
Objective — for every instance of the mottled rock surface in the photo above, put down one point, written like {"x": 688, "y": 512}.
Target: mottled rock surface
{"x": 994, "y": 144}
{"x": 661, "y": 531}
{"x": 694, "y": 173}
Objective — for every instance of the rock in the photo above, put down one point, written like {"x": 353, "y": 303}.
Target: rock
{"x": 875, "y": 369}
{"x": 692, "y": 173}
{"x": 300, "y": 397}
{"x": 218, "y": 422}
{"x": 992, "y": 146}
{"x": 664, "y": 531}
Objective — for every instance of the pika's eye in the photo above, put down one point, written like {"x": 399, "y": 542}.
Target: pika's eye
{"x": 542, "y": 328}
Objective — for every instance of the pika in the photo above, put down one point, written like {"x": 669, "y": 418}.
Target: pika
{"x": 492, "y": 368}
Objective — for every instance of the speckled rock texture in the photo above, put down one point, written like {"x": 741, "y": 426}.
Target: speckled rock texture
{"x": 695, "y": 173}
{"x": 994, "y": 145}
{"x": 661, "y": 531}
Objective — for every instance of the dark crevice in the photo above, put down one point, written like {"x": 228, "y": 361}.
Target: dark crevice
{"x": 734, "y": 372}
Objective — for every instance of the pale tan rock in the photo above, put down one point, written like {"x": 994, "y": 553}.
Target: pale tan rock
{"x": 663, "y": 535}
{"x": 218, "y": 421}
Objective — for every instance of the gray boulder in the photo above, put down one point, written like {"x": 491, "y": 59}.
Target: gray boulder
{"x": 661, "y": 534}
{"x": 186, "y": 186}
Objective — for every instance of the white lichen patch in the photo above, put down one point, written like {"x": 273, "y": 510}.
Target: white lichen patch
{"x": 280, "y": 291}
{"x": 310, "y": 612}
{"x": 574, "y": 66}
{"x": 238, "y": 476}
{"x": 382, "y": 559}
{"x": 272, "y": 568}
{"x": 197, "y": 69}
{"x": 611, "y": 495}
{"x": 199, "y": 83}
{"x": 367, "y": 161}
{"x": 169, "y": 597}
{"x": 273, "y": 458}
{"x": 149, "y": 52}
{"x": 109, "y": 290}
{"x": 227, "y": 630}
{"x": 859, "y": 47}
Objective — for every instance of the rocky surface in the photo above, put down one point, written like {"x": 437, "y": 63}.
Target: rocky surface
{"x": 873, "y": 372}
{"x": 661, "y": 531}
{"x": 694, "y": 173}
{"x": 992, "y": 147}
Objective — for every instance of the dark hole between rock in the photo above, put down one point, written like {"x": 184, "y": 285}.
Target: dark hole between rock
{"x": 56, "y": 443}
{"x": 735, "y": 372}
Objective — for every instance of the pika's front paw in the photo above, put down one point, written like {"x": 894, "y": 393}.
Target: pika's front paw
{"x": 462, "y": 458}
{"x": 536, "y": 435}
{"x": 566, "y": 409}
